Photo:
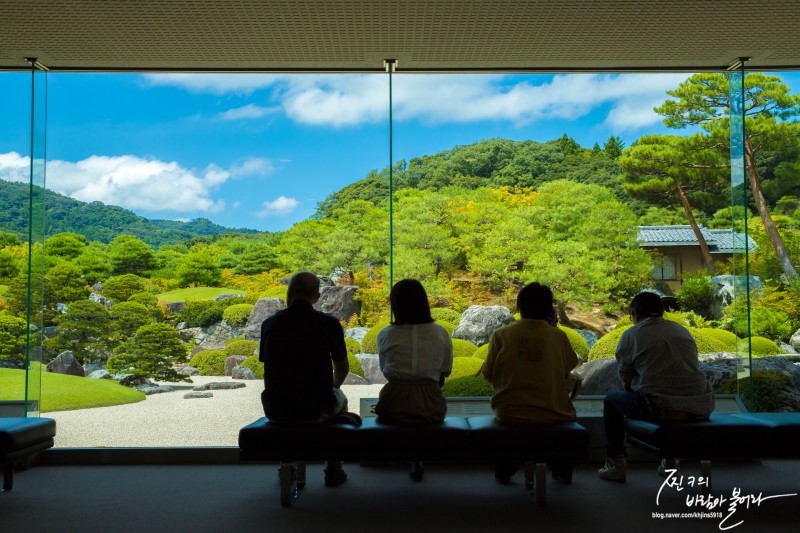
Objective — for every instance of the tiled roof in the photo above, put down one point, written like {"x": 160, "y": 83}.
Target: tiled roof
{"x": 720, "y": 241}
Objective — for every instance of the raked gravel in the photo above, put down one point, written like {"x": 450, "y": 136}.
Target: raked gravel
{"x": 168, "y": 419}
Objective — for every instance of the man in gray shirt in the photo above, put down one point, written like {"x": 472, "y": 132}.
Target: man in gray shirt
{"x": 658, "y": 365}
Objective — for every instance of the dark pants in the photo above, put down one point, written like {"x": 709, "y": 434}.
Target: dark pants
{"x": 616, "y": 406}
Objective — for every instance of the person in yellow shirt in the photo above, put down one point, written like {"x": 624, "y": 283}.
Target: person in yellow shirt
{"x": 528, "y": 365}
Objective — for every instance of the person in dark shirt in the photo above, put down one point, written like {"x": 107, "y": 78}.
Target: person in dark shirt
{"x": 297, "y": 347}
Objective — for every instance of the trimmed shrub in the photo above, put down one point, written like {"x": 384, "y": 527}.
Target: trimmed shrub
{"x": 241, "y": 347}
{"x": 448, "y": 315}
{"x": 467, "y": 386}
{"x": 726, "y": 338}
{"x": 707, "y": 343}
{"x": 201, "y": 314}
{"x": 210, "y": 362}
{"x": 462, "y": 348}
{"x": 669, "y": 315}
{"x": 577, "y": 342}
{"x": 369, "y": 344}
{"x": 465, "y": 366}
{"x": 253, "y": 364}
{"x": 278, "y": 291}
{"x": 353, "y": 347}
{"x": 761, "y": 346}
{"x": 120, "y": 288}
{"x": 145, "y": 298}
{"x": 606, "y": 346}
{"x": 481, "y": 353}
{"x": 769, "y": 389}
{"x": 237, "y": 314}
{"x": 697, "y": 294}
{"x": 447, "y": 325}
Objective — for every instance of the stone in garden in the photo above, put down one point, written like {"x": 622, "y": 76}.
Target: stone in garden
{"x": 356, "y": 333}
{"x": 228, "y": 297}
{"x": 724, "y": 290}
{"x": 16, "y": 364}
{"x": 100, "y": 374}
{"x": 220, "y": 385}
{"x": 189, "y": 371}
{"x": 175, "y": 307}
{"x": 97, "y": 287}
{"x": 795, "y": 340}
{"x": 264, "y": 308}
{"x": 242, "y": 372}
{"x": 217, "y": 336}
{"x": 787, "y": 348}
{"x": 372, "y": 368}
{"x": 196, "y": 350}
{"x": 478, "y": 323}
{"x": 588, "y": 335}
{"x": 65, "y": 363}
{"x": 339, "y": 302}
{"x": 190, "y": 395}
{"x": 154, "y": 389}
{"x": 355, "y": 379}
{"x": 90, "y": 367}
{"x": 342, "y": 276}
{"x": 599, "y": 376}
{"x": 189, "y": 334}
{"x": 102, "y": 300}
{"x": 132, "y": 380}
{"x": 61, "y": 308}
{"x": 231, "y": 362}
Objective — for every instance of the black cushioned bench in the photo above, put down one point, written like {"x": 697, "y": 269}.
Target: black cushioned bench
{"x": 20, "y": 437}
{"x": 723, "y": 436}
{"x": 478, "y": 439}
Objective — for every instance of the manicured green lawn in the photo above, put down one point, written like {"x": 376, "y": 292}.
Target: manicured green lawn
{"x": 66, "y": 393}
{"x": 196, "y": 293}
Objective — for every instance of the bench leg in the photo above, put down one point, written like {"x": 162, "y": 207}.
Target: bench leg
{"x": 530, "y": 468}
{"x": 301, "y": 476}
{"x": 8, "y": 475}
{"x": 540, "y": 486}
{"x": 705, "y": 471}
{"x": 290, "y": 491}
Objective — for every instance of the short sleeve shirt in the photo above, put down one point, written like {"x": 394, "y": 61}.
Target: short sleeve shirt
{"x": 415, "y": 351}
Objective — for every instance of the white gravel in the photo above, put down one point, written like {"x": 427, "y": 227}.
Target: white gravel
{"x": 168, "y": 419}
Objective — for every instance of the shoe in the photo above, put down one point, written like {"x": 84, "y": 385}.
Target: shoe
{"x": 615, "y": 469}
{"x": 668, "y": 464}
{"x": 503, "y": 473}
{"x": 334, "y": 477}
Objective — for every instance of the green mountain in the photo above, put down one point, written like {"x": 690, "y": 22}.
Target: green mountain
{"x": 96, "y": 220}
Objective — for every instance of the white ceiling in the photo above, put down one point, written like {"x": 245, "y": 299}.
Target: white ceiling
{"x": 423, "y": 35}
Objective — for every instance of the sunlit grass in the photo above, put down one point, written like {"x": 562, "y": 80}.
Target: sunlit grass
{"x": 3, "y": 291}
{"x": 196, "y": 293}
{"x": 66, "y": 393}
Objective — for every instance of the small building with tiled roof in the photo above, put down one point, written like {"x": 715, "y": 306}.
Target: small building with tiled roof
{"x": 675, "y": 249}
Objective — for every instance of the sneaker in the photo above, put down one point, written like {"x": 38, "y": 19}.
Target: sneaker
{"x": 615, "y": 469}
{"x": 334, "y": 477}
{"x": 668, "y": 464}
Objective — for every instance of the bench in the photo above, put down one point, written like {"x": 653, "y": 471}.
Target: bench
{"x": 21, "y": 437}
{"x": 475, "y": 440}
{"x": 723, "y": 436}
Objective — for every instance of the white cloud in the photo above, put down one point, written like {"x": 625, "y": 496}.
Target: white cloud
{"x": 253, "y": 166}
{"x": 348, "y": 100}
{"x": 282, "y": 205}
{"x": 15, "y": 167}
{"x": 249, "y": 111}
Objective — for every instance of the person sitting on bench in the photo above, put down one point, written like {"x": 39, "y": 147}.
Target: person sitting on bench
{"x": 658, "y": 365}
{"x": 528, "y": 365}
{"x": 297, "y": 346}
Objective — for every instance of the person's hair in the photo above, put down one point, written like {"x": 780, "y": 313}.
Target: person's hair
{"x": 304, "y": 285}
{"x": 535, "y": 301}
{"x": 409, "y": 303}
{"x": 647, "y": 304}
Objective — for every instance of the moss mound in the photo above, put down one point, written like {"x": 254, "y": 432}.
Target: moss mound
{"x": 241, "y": 347}
{"x": 761, "y": 347}
{"x": 465, "y": 366}
{"x": 210, "y": 362}
{"x": 707, "y": 343}
{"x": 369, "y": 344}
{"x": 577, "y": 342}
{"x": 237, "y": 315}
{"x": 606, "y": 345}
{"x": 675, "y": 317}
{"x": 448, "y": 315}
{"x": 255, "y": 365}
{"x": 769, "y": 389}
{"x": 481, "y": 353}
{"x": 726, "y": 338}
{"x": 462, "y": 348}
{"x": 275, "y": 292}
{"x": 446, "y": 325}
{"x": 467, "y": 386}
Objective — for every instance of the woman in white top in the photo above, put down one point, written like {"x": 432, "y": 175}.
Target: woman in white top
{"x": 415, "y": 356}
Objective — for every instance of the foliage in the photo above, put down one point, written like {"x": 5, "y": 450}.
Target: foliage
{"x": 129, "y": 255}
{"x": 198, "y": 268}
{"x": 606, "y": 346}
{"x": 462, "y": 348}
{"x": 697, "y": 294}
{"x": 201, "y": 314}
{"x": 241, "y": 347}
{"x": 769, "y": 389}
{"x": 65, "y": 393}
{"x": 196, "y": 294}
{"x": 354, "y": 363}
{"x": 84, "y": 329}
{"x": 763, "y": 321}
{"x": 67, "y": 245}
{"x": 12, "y": 337}
{"x": 725, "y": 339}
{"x": 447, "y": 326}
{"x": 760, "y": 346}
{"x": 120, "y": 288}
{"x": 237, "y": 315}
{"x": 353, "y": 346}
{"x": 210, "y": 362}
{"x": 708, "y": 343}
{"x": 465, "y": 366}
{"x": 279, "y": 291}
{"x": 151, "y": 352}
{"x": 255, "y": 365}
{"x": 467, "y": 386}
{"x": 482, "y": 352}
{"x": 369, "y": 344}
{"x": 577, "y": 342}
{"x": 128, "y": 317}
{"x": 448, "y": 315}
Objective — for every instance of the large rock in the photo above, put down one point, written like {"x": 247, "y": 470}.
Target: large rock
{"x": 795, "y": 340}
{"x": 189, "y": 334}
{"x": 588, "y": 335}
{"x": 216, "y": 336}
{"x": 242, "y": 372}
{"x": 599, "y": 376}
{"x": 338, "y": 301}
{"x": 16, "y": 364}
{"x": 720, "y": 367}
{"x": 372, "y": 368}
{"x": 478, "y": 323}
{"x": 92, "y": 366}
{"x": 228, "y": 296}
{"x": 100, "y": 374}
{"x": 102, "y": 300}
{"x": 133, "y": 381}
{"x": 175, "y": 307}
{"x": 220, "y": 385}
{"x": 190, "y": 395}
{"x": 355, "y": 333}
{"x": 355, "y": 379}
{"x": 149, "y": 390}
{"x": 196, "y": 350}
{"x": 725, "y": 288}
{"x": 231, "y": 362}
{"x": 189, "y": 371}
{"x": 786, "y": 348}
{"x": 65, "y": 363}
{"x": 264, "y": 308}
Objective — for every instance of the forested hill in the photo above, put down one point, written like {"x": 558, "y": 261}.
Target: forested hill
{"x": 96, "y": 220}
{"x": 490, "y": 163}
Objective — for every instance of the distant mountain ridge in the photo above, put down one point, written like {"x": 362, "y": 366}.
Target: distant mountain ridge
{"x": 96, "y": 220}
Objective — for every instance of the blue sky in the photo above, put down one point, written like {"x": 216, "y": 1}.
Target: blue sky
{"x": 259, "y": 151}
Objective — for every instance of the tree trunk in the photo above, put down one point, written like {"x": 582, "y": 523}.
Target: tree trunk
{"x": 708, "y": 261}
{"x": 761, "y": 204}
